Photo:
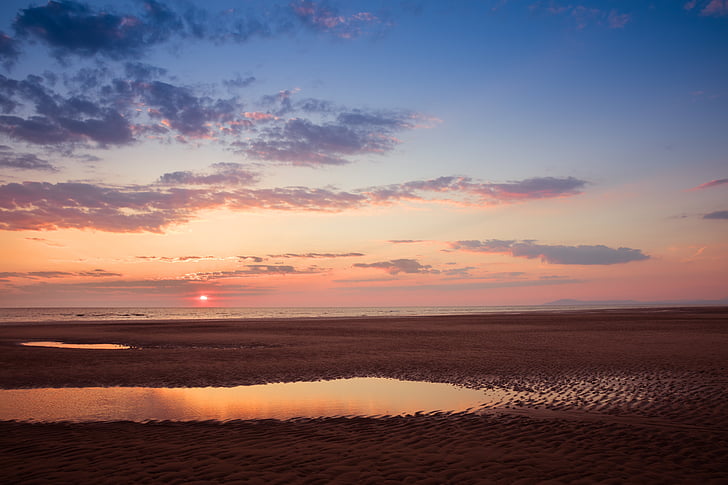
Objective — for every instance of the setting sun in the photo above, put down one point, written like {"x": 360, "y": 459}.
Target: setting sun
{"x": 203, "y": 298}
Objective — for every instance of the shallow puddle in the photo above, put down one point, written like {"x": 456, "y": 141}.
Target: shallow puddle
{"x": 342, "y": 397}
{"x": 62, "y": 345}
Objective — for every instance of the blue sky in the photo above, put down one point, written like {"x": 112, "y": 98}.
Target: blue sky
{"x": 521, "y": 148}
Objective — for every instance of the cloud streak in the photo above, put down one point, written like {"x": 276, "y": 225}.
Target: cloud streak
{"x": 396, "y": 266}
{"x": 711, "y": 184}
{"x": 37, "y": 275}
{"x": 716, "y": 215}
{"x": 177, "y": 197}
{"x": 23, "y": 161}
{"x": 553, "y": 254}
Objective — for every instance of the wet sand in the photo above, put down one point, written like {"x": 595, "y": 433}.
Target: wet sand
{"x": 628, "y": 396}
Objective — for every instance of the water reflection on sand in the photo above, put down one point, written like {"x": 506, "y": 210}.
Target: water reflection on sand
{"x": 62, "y": 345}
{"x": 342, "y": 397}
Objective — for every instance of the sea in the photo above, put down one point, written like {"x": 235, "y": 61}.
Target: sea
{"x": 80, "y": 315}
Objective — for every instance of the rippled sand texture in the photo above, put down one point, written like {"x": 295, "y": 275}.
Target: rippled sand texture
{"x": 614, "y": 396}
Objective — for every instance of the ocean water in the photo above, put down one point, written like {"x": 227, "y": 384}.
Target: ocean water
{"x": 46, "y": 315}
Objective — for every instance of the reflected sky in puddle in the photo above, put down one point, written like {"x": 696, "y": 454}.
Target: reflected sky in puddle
{"x": 343, "y": 397}
{"x": 62, "y": 345}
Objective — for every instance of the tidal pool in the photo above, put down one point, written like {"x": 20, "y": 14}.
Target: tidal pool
{"x": 342, "y": 397}
{"x": 62, "y": 345}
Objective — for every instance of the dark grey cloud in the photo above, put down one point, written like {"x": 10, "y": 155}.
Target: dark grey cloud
{"x": 554, "y": 254}
{"x": 224, "y": 174}
{"x": 23, "y": 161}
{"x": 473, "y": 192}
{"x": 397, "y": 266}
{"x": 9, "y": 50}
{"x": 70, "y": 27}
{"x": 716, "y": 215}
{"x": 108, "y": 111}
{"x": 300, "y": 141}
{"x": 57, "y": 119}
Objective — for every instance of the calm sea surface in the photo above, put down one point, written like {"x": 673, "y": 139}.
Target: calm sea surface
{"x": 44, "y": 315}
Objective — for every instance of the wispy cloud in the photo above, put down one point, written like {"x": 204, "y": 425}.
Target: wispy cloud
{"x": 708, "y": 8}
{"x": 716, "y": 215}
{"x": 711, "y": 184}
{"x": 251, "y": 270}
{"x": 35, "y": 275}
{"x": 553, "y": 254}
{"x": 316, "y": 255}
{"x": 469, "y": 191}
{"x": 47, "y": 206}
{"x": 396, "y": 266}
{"x": 224, "y": 174}
{"x": 9, "y": 158}
{"x": 584, "y": 16}
{"x": 323, "y": 17}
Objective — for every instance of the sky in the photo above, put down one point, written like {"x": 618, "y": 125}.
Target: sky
{"x": 362, "y": 153}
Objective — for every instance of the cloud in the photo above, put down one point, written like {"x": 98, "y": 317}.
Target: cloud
{"x": 397, "y": 266}
{"x": 449, "y": 286}
{"x": 405, "y": 241}
{"x": 712, "y": 183}
{"x": 70, "y": 27}
{"x": 554, "y": 254}
{"x": 300, "y": 141}
{"x": 179, "y": 259}
{"x": 316, "y": 255}
{"x": 9, "y": 50}
{"x": 58, "y": 120}
{"x": 322, "y": 17}
{"x": 46, "y": 242}
{"x": 23, "y": 161}
{"x": 47, "y": 206}
{"x": 177, "y": 197}
{"x": 468, "y": 191}
{"x": 226, "y": 174}
{"x": 34, "y": 275}
{"x": 250, "y": 270}
{"x": 175, "y": 288}
{"x": 716, "y": 215}
{"x": 709, "y": 8}
{"x": 100, "y": 109}
{"x": 584, "y": 16}
{"x": 238, "y": 82}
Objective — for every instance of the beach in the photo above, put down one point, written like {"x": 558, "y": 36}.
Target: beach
{"x": 610, "y": 396}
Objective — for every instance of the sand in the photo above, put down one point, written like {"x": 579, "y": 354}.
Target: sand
{"x": 627, "y": 396}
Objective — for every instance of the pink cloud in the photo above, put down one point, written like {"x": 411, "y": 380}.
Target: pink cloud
{"x": 177, "y": 197}
{"x": 716, "y": 8}
{"x": 712, "y": 183}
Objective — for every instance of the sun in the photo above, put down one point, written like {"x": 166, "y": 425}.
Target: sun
{"x": 203, "y": 297}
